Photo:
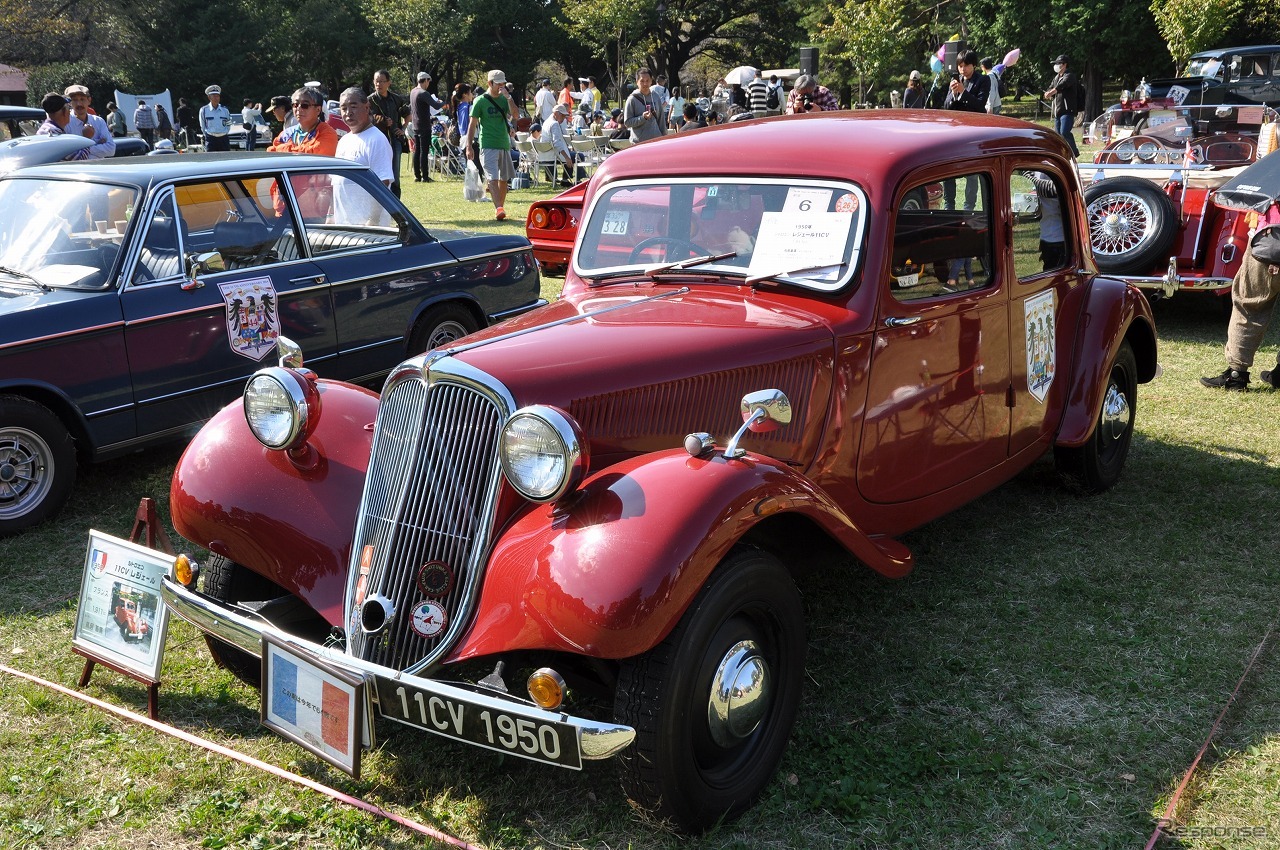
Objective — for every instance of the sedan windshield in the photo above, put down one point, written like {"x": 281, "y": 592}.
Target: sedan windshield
{"x": 802, "y": 232}
{"x": 61, "y": 233}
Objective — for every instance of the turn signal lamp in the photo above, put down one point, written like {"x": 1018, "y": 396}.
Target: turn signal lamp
{"x": 546, "y": 688}
{"x": 540, "y": 217}
{"x": 185, "y": 571}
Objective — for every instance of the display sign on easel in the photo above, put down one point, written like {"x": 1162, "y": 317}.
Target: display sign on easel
{"x": 122, "y": 622}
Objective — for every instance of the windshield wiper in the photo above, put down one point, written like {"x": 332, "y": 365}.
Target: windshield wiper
{"x": 24, "y": 276}
{"x": 657, "y": 270}
{"x": 752, "y": 280}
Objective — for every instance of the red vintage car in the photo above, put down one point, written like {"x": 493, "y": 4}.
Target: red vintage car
{"x": 552, "y": 227}
{"x": 607, "y": 492}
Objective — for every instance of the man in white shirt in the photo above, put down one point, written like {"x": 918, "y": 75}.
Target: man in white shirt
{"x": 104, "y": 145}
{"x": 365, "y": 144}
{"x": 544, "y": 101}
{"x": 553, "y": 132}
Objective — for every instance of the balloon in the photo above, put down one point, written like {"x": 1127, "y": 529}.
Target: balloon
{"x": 935, "y": 64}
{"x": 942, "y": 53}
{"x": 1011, "y": 58}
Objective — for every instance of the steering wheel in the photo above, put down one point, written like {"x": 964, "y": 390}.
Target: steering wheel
{"x": 694, "y": 249}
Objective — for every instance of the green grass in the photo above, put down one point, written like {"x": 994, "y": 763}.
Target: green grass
{"x": 1042, "y": 679}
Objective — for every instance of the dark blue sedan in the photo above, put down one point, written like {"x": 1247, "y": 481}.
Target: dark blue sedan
{"x": 137, "y": 294}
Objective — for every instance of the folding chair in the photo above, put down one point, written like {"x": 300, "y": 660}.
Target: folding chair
{"x": 546, "y": 158}
{"x": 448, "y": 159}
{"x": 619, "y": 144}
{"x": 528, "y": 157}
{"x": 590, "y": 156}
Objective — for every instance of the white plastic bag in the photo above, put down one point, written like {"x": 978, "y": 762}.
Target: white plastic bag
{"x": 472, "y": 190}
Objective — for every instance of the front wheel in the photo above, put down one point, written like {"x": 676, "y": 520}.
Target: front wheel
{"x": 229, "y": 582}
{"x": 714, "y": 703}
{"x": 1096, "y": 466}
{"x": 37, "y": 464}
{"x": 439, "y": 327}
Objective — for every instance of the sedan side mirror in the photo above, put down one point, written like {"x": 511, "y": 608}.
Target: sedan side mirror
{"x": 762, "y": 411}
{"x": 202, "y": 263}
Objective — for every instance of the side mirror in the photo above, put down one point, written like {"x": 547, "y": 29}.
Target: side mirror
{"x": 290, "y": 353}
{"x": 762, "y": 411}
{"x": 205, "y": 262}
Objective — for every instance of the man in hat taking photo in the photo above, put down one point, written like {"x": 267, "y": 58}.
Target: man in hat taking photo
{"x": 104, "y": 145}
{"x": 1064, "y": 91}
{"x": 215, "y": 121}
{"x": 491, "y": 119}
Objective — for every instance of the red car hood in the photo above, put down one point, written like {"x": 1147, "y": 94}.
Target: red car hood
{"x": 641, "y": 376}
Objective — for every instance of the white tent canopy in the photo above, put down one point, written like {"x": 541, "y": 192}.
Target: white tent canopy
{"x": 126, "y": 103}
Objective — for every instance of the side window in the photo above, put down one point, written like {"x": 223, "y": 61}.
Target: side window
{"x": 942, "y": 239}
{"x": 343, "y": 212}
{"x": 161, "y": 254}
{"x": 245, "y": 220}
{"x": 1039, "y": 240}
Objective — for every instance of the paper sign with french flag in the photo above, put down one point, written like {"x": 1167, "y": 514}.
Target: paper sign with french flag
{"x": 313, "y": 706}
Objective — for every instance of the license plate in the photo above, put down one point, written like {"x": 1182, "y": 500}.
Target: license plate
{"x": 482, "y": 725}
{"x": 615, "y": 222}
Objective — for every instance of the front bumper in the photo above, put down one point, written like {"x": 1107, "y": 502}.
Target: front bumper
{"x": 597, "y": 740}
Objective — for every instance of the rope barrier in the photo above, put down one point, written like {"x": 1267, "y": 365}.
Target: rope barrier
{"x": 189, "y": 738}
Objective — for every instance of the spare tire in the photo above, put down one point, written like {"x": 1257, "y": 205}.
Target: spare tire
{"x": 1132, "y": 223}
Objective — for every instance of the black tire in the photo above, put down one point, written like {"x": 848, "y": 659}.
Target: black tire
{"x": 915, "y": 200}
{"x": 1132, "y": 223}
{"x": 229, "y": 582}
{"x": 441, "y": 326}
{"x": 676, "y": 768}
{"x": 692, "y": 248}
{"x": 1095, "y": 466}
{"x": 37, "y": 464}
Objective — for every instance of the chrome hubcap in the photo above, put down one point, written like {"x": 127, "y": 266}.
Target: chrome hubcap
{"x": 1115, "y": 414}
{"x": 445, "y": 333}
{"x": 740, "y": 694}
{"x": 1118, "y": 223}
{"x": 25, "y": 462}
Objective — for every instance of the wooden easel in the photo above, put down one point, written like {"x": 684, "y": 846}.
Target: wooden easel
{"x": 148, "y": 531}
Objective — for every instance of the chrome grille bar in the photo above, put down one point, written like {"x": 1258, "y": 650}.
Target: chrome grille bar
{"x": 429, "y": 496}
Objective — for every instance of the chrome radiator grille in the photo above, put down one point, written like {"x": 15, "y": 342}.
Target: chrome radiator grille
{"x": 429, "y": 497}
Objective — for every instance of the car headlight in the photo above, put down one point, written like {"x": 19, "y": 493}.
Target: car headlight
{"x": 543, "y": 453}
{"x": 282, "y": 407}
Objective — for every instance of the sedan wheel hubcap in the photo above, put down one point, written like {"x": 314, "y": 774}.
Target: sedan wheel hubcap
{"x": 25, "y": 460}
{"x": 1115, "y": 414}
{"x": 740, "y": 694}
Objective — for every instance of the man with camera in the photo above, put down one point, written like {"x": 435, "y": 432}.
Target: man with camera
{"x": 808, "y": 96}
{"x": 970, "y": 88}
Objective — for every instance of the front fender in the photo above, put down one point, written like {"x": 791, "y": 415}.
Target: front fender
{"x": 1114, "y": 311}
{"x": 290, "y": 519}
{"x": 611, "y": 574}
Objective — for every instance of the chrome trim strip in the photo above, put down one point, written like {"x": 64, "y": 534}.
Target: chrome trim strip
{"x": 1191, "y": 283}
{"x": 494, "y": 318}
{"x": 598, "y": 740}
{"x": 49, "y": 337}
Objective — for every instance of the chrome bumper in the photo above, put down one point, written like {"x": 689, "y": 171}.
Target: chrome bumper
{"x": 597, "y": 740}
{"x": 1172, "y": 282}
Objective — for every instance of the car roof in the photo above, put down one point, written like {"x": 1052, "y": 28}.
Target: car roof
{"x": 143, "y": 170}
{"x": 1222, "y": 51}
{"x": 860, "y": 145}
{"x": 20, "y": 113}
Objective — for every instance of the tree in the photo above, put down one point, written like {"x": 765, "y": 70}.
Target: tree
{"x": 1190, "y": 26}
{"x": 868, "y": 35}
{"x": 413, "y": 29}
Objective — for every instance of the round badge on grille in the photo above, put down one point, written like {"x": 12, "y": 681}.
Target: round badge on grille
{"x": 429, "y": 618}
{"x": 435, "y": 578}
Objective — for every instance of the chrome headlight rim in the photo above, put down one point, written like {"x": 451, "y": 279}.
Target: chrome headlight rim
{"x": 573, "y": 451}
{"x": 303, "y": 403}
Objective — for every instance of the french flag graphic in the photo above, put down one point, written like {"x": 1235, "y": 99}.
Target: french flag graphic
{"x": 99, "y": 561}
{"x": 317, "y": 709}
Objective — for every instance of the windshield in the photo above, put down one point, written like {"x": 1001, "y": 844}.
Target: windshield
{"x": 61, "y": 232}
{"x": 1204, "y": 66}
{"x": 805, "y": 232}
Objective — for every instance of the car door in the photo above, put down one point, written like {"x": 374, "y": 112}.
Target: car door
{"x": 194, "y": 338}
{"x": 381, "y": 266}
{"x": 936, "y": 408}
{"x": 1044, "y": 260}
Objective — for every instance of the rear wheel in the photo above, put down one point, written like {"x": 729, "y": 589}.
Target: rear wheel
{"x": 441, "y": 326}
{"x": 37, "y": 464}
{"x": 1132, "y": 223}
{"x": 714, "y": 703}
{"x": 1096, "y": 466}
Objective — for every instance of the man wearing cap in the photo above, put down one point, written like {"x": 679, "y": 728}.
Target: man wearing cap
{"x": 421, "y": 109}
{"x": 145, "y": 120}
{"x": 553, "y": 132}
{"x": 81, "y": 119}
{"x": 544, "y": 101}
{"x": 215, "y": 121}
{"x": 490, "y": 118}
{"x": 58, "y": 111}
{"x": 1064, "y": 90}
{"x": 388, "y": 111}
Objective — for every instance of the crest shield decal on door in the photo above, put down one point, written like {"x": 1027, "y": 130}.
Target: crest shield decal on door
{"x": 1042, "y": 358}
{"x": 253, "y": 317}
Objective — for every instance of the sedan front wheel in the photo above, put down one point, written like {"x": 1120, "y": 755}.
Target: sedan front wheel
{"x": 37, "y": 464}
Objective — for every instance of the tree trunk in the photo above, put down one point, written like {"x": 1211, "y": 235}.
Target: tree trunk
{"x": 1092, "y": 83}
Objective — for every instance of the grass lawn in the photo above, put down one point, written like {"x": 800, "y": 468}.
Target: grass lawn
{"x": 1043, "y": 678}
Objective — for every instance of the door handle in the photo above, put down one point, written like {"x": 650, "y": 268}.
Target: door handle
{"x": 898, "y": 321}
{"x": 312, "y": 279}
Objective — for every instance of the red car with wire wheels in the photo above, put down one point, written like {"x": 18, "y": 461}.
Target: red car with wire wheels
{"x": 608, "y": 492}
{"x": 552, "y": 226}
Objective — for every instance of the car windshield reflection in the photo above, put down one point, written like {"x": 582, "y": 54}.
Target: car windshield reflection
{"x": 807, "y": 233}
{"x": 62, "y": 233}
